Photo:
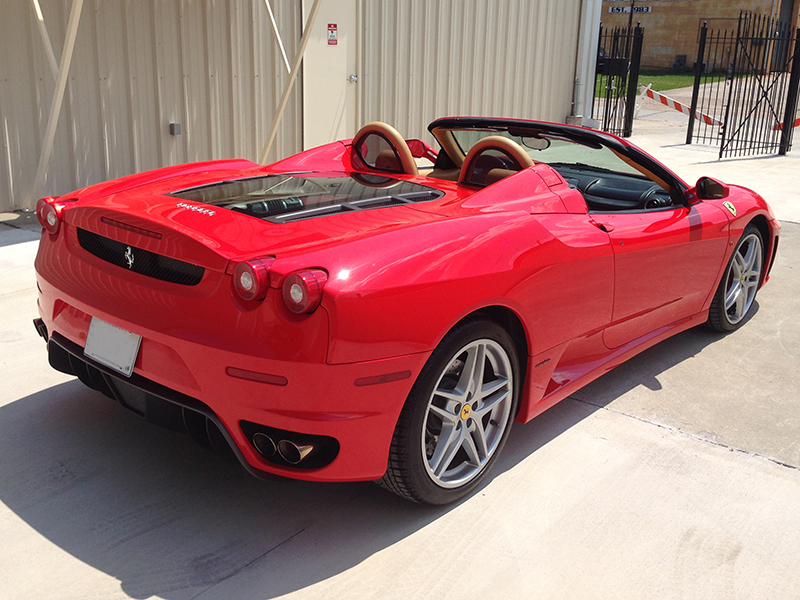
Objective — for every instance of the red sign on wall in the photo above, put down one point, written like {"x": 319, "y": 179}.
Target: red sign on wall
{"x": 333, "y": 34}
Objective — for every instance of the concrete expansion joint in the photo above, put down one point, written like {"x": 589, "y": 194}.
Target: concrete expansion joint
{"x": 9, "y": 225}
{"x": 251, "y": 562}
{"x": 693, "y": 436}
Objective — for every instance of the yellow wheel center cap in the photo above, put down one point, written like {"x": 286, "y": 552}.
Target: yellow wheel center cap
{"x": 742, "y": 279}
{"x": 465, "y": 412}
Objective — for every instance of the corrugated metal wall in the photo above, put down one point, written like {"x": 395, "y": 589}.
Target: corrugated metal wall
{"x": 423, "y": 60}
{"x": 212, "y": 65}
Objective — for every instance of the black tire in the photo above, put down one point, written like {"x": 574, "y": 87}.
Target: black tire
{"x": 443, "y": 446}
{"x": 733, "y": 301}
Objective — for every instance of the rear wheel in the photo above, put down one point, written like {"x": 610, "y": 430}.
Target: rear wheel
{"x": 733, "y": 300}
{"x": 457, "y": 417}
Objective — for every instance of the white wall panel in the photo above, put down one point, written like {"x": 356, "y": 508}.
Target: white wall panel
{"x": 211, "y": 65}
{"x": 422, "y": 60}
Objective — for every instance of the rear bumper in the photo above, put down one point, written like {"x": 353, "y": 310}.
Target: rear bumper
{"x": 317, "y": 401}
{"x": 198, "y": 348}
{"x": 156, "y": 402}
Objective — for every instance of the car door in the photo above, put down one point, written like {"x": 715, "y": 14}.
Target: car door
{"x": 666, "y": 262}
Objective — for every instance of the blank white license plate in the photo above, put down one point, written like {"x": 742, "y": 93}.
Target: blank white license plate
{"x": 112, "y": 346}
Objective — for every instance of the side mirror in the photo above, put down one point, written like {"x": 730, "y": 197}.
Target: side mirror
{"x": 711, "y": 189}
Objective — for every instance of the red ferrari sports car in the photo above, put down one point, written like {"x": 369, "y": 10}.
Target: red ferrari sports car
{"x": 375, "y": 309}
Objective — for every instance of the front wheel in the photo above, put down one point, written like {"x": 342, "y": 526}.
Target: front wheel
{"x": 457, "y": 417}
{"x": 734, "y": 297}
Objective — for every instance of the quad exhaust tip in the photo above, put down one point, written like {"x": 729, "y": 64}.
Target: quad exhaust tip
{"x": 289, "y": 451}
{"x": 292, "y": 453}
{"x": 264, "y": 444}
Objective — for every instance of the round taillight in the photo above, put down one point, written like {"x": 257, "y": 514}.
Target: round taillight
{"x": 302, "y": 291}
{"x": 48, "y": 211}
{"x": 251, "y": 278}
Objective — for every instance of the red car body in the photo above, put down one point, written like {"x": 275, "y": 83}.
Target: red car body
{"x": 580, "y": 291}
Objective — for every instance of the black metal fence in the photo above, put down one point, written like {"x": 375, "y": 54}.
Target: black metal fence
{"x": 616, "y": 78}
{"x": 746, "y": 87}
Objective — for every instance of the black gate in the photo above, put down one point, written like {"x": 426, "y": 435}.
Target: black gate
{"x": 616, "y": 78}
{"x": 746, "y": 87}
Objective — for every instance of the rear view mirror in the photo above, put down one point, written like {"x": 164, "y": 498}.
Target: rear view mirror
{"x": 535, "y": 143}
{"x": 711, "y": 189}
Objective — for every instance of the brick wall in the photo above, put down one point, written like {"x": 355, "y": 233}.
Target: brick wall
{"x": 672, "y": 26}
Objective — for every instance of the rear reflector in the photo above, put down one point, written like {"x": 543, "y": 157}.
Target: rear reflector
{"x": 389, "y": 377}
{"x": 256, "y": 376}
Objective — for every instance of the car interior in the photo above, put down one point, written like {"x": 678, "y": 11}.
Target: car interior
{"x": 478, "y": 157}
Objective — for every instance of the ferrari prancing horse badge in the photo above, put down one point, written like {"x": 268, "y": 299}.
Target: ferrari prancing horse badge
{"x": 729, "y": 205}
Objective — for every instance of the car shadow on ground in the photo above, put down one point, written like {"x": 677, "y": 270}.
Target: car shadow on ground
{"x": 164, "y": 517}
{"x": 642, "y": 369}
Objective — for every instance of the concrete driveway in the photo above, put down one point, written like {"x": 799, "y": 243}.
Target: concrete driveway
{"x": 674, "y": 476}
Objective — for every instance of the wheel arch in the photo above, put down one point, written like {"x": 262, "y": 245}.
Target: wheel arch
{"x": 512, "y": 324}
{"x": 760, "y": 222}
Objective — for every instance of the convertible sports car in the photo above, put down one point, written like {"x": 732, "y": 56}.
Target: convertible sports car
{"x": 373, "y": 309}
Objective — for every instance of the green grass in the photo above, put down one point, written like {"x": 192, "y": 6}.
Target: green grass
{"x": 659, "y": 79}
{"x": 665, "y": 81}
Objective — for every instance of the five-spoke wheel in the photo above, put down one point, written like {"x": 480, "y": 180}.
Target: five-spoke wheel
{"x": 457, "y": 416}
{"x": 467, "y": 413}
{"x": 737, "y": 290}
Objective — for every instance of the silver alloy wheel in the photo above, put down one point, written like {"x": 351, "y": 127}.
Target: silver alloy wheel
{"x": 467, "y": 413}
{"x": 744, "y": 274}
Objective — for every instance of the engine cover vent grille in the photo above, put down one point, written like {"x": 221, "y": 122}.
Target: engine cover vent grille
{"x": 140, "y": 261}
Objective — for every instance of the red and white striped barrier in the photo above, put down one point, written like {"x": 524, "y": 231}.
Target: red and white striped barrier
{"x": 674, "y": 104}
{"x": 779, "y": 126}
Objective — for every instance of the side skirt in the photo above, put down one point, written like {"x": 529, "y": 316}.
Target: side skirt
{"x": 568, "y": 378}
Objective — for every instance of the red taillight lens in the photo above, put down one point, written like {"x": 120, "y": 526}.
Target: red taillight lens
{"x": 251, "y": 278}
{"x": 48, "y": 211}
{"x": 302, "y": 291}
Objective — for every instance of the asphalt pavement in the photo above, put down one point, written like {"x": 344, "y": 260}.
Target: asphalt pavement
{"x": 677, "y": 475}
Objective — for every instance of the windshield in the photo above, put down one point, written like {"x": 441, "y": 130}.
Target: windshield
{"x": 553, "y": 149}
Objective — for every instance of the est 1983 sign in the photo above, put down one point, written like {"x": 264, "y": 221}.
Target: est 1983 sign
{"x": 627, "y": 9}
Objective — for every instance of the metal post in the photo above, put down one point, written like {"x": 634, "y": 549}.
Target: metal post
{"x": 298, "y": 58}
{"x": 597, "y": 74}
{"x": 58, "y": 95}
{"x": 278, "y": 36}
{"x": 48, "y": 47}
{"x": 726, "y": 123}
{"x": 791, "y": 99}
{"x": 698, "y": 72}
{"x": 633, "y": 80}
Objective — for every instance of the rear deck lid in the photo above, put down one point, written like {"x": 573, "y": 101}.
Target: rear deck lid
{"x": 218, "y": 221}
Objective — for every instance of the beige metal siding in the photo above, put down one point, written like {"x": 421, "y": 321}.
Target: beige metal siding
{"x": 422, "y": 60}
{"x": 214, "y": 66}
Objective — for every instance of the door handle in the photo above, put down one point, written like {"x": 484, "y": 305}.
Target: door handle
{"x": 602, "y": 226}
{"x": 353, "y": 79}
